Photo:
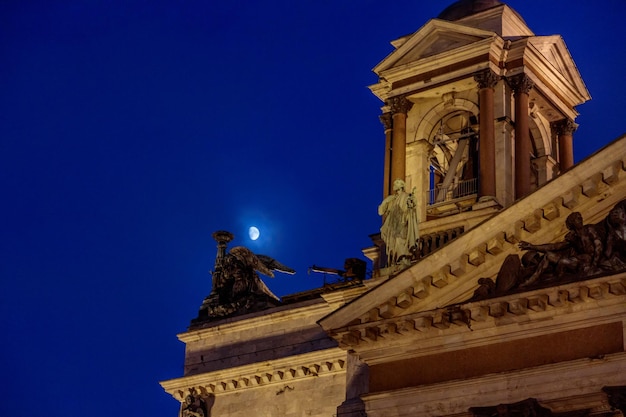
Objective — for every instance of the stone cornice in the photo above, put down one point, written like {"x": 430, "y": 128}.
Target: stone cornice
{"x": 459, "y": 63}
{"x": 575, "y": 300}
{"x": 280, "y": 371}
{"x": 450, "y": 276}
{"x": 431, "y": 29}
{"x": 307, "y": 311}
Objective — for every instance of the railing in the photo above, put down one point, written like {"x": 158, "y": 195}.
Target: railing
{"x": 454, "y": 191}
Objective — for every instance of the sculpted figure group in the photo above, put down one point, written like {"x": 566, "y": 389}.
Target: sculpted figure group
{"x": 237, "y": 287}
{"x": 586, "y": 250}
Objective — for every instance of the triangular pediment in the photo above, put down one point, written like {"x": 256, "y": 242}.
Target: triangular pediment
{"x": 450, "y": 275}
{"x": 435, "y": 37}
{"x": 554, "y": 51}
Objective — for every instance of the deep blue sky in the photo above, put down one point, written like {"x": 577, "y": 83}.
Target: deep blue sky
{"x": 131, "y": 130}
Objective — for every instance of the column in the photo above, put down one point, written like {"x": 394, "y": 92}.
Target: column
{"x": 400, "y": 106}
{"x": 487, "y": 81}
{"x": 522, "y": 85}
{"x": 565, "y": 130}
{"x": 385, "y": 119}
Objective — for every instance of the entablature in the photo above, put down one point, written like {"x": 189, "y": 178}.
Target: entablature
{"x": 310, "y": 365}
{"x": 514, "y": 317}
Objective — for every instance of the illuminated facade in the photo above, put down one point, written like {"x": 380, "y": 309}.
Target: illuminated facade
{"x": 479, "y": 115}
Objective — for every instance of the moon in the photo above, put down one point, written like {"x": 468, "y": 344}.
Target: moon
{"x": 254, "y": 233}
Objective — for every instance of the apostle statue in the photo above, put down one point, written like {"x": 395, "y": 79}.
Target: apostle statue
{"x": 400, "y": 224}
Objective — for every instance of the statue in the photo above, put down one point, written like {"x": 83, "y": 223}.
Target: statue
{"x": 238, "y": 277}
{"x": 400, "y": 224}
{"x": 579, "y": 252}
{"x": 193, "y": 406}
{"x": 587, "y": 250}
{"x": 615, "y": 246}
{"x": 237, "y": 288}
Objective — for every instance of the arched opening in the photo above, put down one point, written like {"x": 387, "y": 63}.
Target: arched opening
{"x": 454, "y": 157}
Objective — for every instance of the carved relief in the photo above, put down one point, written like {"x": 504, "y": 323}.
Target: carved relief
{"x": 586, "y": 251}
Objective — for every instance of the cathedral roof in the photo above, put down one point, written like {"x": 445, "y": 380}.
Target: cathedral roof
{"x": 464, "y": 8}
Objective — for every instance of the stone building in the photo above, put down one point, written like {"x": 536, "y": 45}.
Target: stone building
{"x": 479, "y": 115}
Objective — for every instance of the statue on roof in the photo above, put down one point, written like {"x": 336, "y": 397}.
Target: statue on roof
{"x": 400, "y": 224}
{"x": 588, "y": 250}
{"x": 237, "y": 287}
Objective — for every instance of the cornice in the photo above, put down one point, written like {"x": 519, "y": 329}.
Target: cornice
{"x": 308, "y": 311}
{"x": 309, "y": 365}
{"x": 553, "y": 79}
{"x": 530, "y": 314}
{"x": 450, "y": 275}
{"x": 430, "y": 29}
{"x": 440, "y": 60}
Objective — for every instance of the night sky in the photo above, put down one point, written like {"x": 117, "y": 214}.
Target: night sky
{"x": 131, "y": 130}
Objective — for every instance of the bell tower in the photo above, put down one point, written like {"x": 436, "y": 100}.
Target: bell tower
{"x": 478, "y": 113}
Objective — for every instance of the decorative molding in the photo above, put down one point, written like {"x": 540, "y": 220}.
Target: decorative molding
{"x": 525, "y": 307}
{"x": 316, "y": 364}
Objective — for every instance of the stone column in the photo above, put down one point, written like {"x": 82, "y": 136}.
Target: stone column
{"x": 419, "y": 151}
{"x": 522, "y": 85}
{"x": 565, "y": 130}
{"x": 487, "y": 81}
{"x": 385, "y": 119}
{"x": 400, "y": 106}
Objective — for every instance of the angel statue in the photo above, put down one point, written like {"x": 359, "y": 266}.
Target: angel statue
{"x": 400, "y": 223}
{"x": 238, "y": 277}
{"x": 237, "y": 287}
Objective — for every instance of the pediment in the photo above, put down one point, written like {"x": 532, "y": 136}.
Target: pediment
{"x": 554, "y": 51}
{"x": 435, "y": 37}
{"x": 450, "y": 276}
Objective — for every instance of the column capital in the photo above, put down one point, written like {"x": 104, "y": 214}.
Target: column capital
{"x": 399, "y": 104}
{"x": 565, "y": 127}
{"x": 521, "y": 83}
{"x": 385, "y": 119}
{"x": 486, "y": 79}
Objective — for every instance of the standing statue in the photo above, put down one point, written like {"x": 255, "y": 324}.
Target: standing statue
{"x": 400, "y": 223}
